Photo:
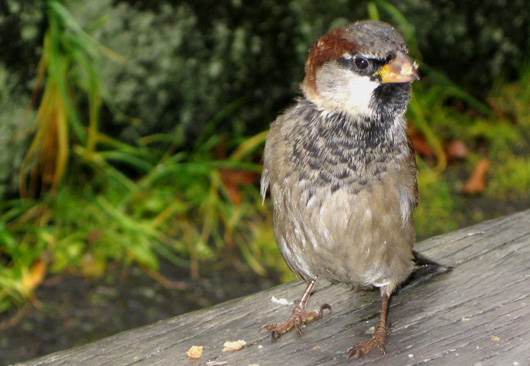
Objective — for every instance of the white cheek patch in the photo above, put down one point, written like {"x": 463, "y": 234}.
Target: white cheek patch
{"x": 341, "y": 89}
{"x": 358, "y": 94}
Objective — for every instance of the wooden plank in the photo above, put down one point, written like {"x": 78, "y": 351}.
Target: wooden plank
{"x": 476, "y": 314}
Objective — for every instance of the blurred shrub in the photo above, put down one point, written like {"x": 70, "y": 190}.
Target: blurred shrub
{"x": 190, "y": 60}
{"x": 12, "y": 148}
{"x": 473, "y": 42}
{"x": 21, "y": 30}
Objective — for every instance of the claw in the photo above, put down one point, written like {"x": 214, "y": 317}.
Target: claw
{"x": 325, "y": 306}
{"x": 299, "y": 317}
{"x": 299, "y": 325}
{"x": 266, "y": 326}
{"x": 353, "y": 352}
{"x": 297, "y": 320}
{"x": 377, "y": 341}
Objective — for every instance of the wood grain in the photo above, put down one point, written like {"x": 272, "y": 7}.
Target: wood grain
{"x": 476, "y": 314}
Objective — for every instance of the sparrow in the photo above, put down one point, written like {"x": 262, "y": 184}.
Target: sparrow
{"x": 341, "y": 171}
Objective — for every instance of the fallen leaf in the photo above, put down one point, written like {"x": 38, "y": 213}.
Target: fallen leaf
{"x": 195, "y": 352}
{"x": 33, "y": 278}
{"x": 477, "y": 182}
{"x": 456, "y": 150}
{"x": 420, "y": 144}
{"x": 233, "y": 179}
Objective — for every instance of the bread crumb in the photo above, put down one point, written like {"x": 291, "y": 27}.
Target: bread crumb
{"x": 495, "y": 338}
{"x": 316, "y": 347}
{"x": 281, "y": 301}
{"x": 464, "y": 320}
{"x": 195, "y": 352}
{"x": 233, "y": 346}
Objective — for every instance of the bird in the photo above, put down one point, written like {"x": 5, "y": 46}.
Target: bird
{"x": 342, "y": 173}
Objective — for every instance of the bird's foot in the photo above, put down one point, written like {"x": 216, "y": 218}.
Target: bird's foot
{"x": 377, "y": 341}
{"x": 298, "y": 319}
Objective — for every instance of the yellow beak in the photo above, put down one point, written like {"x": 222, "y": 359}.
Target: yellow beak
{"x": 400, "y": 70}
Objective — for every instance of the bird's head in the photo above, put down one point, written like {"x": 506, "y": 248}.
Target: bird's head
{"x": 361, "y": 70}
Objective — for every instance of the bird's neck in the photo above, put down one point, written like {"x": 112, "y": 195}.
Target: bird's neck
{"x": 342, "y": 151}
{"x": 378, "y": 132}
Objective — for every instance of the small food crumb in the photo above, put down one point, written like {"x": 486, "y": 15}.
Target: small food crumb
{"x": 280, "y": 301}
{"x": 464, "y": 320}
{"x": 254, "y": 364}
{"x": 233, "y": 346}
{"x": 411, "y": 355}
{"x": 495, "y": 338}
{"x": 215, "y": 363}
{"x": 195, "y": 352}
{"x": 316, "y": 347}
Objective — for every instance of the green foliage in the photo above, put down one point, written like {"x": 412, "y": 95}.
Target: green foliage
{"x": 437, "y": 211}
{"x": 21, "y": 246}
{"x": 502, "y": 137}
{"x": 508, "y": 137}
{"x": 181, "y": 209}
{"x": 140, "y": 189}
{"x": 67, "y": 69}
{"x": 12, "y": 111}
{"x": 512, "y": 178}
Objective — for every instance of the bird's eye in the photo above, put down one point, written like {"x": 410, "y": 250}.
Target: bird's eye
{"x": 361, "y": 63}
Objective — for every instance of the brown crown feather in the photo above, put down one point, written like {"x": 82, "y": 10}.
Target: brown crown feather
{"x": 329, "y": 47}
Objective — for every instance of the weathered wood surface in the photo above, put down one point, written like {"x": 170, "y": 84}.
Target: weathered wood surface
{"x": 476, "y": 314}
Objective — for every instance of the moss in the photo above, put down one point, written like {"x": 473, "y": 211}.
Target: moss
{"x": 437, "y": 211}
{"x": 510, "y": 179}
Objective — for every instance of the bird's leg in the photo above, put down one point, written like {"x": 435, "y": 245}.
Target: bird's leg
{"x": 300, "y": 316}
{"x": 379, "y": 338}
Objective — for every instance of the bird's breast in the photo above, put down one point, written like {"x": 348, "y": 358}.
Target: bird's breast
{"x": 352, "y": 236}
{"x": 343, "y": 194}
